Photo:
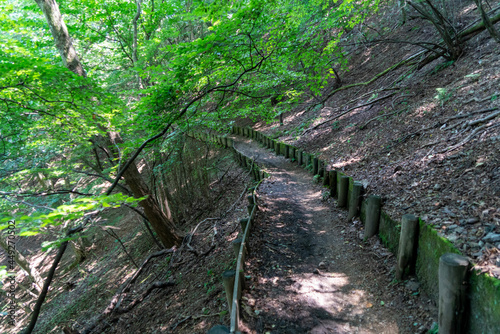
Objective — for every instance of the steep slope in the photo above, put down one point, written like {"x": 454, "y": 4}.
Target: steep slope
{"x": 426, "y": 139}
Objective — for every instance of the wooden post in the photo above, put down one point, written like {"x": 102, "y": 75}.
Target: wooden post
{"x": 294, "y": 153}
{"x": 300, "y": 157}
{"x": 250, "y": 200}
{"x": 309, "y": 162}
{"x": 243, "y": 223}
{"x": 321, "y": 168}
{"x": 219, "y": 329}
{"x": 343, "y": 190}
{"x": 228, "y": 281}
{"x": 355, "y": 200}
{"x": 452, "y": 297}
{"x": 326, "y": 179}
{"x": 333, "y": 182}
{"x": 237, "y": 245}
{"x": 277, "y": 148}
{"x": 407, "y": 245}
{"x": 287, "y": 151}
{"x": 315, "y": 166}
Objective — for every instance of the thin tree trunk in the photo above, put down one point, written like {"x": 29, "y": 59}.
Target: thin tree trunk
{"x": 24, "y": 264}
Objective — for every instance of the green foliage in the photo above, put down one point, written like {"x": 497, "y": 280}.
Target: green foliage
{"x": 444, "y": 95}
{"x": 194, "y": 65}
{"x": 75, "y": 211}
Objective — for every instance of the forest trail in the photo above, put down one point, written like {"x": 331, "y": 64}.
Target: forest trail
{"x": 310, "y": 271}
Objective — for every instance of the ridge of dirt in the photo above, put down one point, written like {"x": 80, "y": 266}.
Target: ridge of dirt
{"x": 417, "y": 154}
{"x": 310, "y": 270}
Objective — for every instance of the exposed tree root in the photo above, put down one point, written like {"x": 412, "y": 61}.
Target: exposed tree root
{"x": 155, "y": 285}
{"x": 362, "y": 127}
{"x": 470, "y": 136}
{"x": 347, "y": 111}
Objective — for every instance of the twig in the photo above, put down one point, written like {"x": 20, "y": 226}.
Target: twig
{"x": 145, "y": 220}
{"x": 189, "y": 236}
{"x": 114, "y": 235}
{"x": 174, "y": 326}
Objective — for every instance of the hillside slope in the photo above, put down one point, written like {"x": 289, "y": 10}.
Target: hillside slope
{"x": 426, "y": 139}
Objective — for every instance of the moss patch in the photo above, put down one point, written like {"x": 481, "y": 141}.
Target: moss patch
{"x": 430, "y": 248}
{"x": 484, "y": 293}
{"x": 389, "y": 231}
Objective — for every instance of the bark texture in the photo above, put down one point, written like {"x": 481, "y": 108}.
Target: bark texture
{"x": 61, "y": 36}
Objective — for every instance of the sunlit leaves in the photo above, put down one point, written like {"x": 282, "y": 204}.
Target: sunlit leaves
{"x": 75, "y": 211}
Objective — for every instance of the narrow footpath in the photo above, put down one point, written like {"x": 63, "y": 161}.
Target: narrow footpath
{"x": 310, "y": 272}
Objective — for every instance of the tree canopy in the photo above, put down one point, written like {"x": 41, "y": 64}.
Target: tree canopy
{"x": 153, "y": 70}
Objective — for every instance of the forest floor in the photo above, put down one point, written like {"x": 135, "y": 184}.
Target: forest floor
{"x": 310, "y": 270}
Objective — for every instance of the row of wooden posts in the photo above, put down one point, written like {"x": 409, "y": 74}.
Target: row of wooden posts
{"x": 453, "y": 268}
{"x": 234, "y": 280}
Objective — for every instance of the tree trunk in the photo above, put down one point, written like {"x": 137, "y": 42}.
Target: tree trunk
{"x": 162, "y": 224}
{"x": 23, "y": 263}
{"x": 61, "y": 36}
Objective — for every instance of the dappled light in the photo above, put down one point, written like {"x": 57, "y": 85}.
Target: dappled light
{"x": 130, "y": 164}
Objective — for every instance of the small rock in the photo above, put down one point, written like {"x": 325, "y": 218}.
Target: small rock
{"x": 453, "y": 237}
{"x": 437, "y": 186}
{"x": 474, "y": 245}
{"x": 478, "y": 254}
{"x": 472, "y": 220}
{"x": 452, "y": 227}
{"x": 449, "y": 212}
{"x": 322, "y": 265}
{"x": 492, "y": 237}
{"x": 413, "y": 286}
{"x": 481, "y": 243}
{"x": 460, "y": 230}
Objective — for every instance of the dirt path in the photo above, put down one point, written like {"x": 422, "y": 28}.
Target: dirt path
{"x": 310, "y": 271}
